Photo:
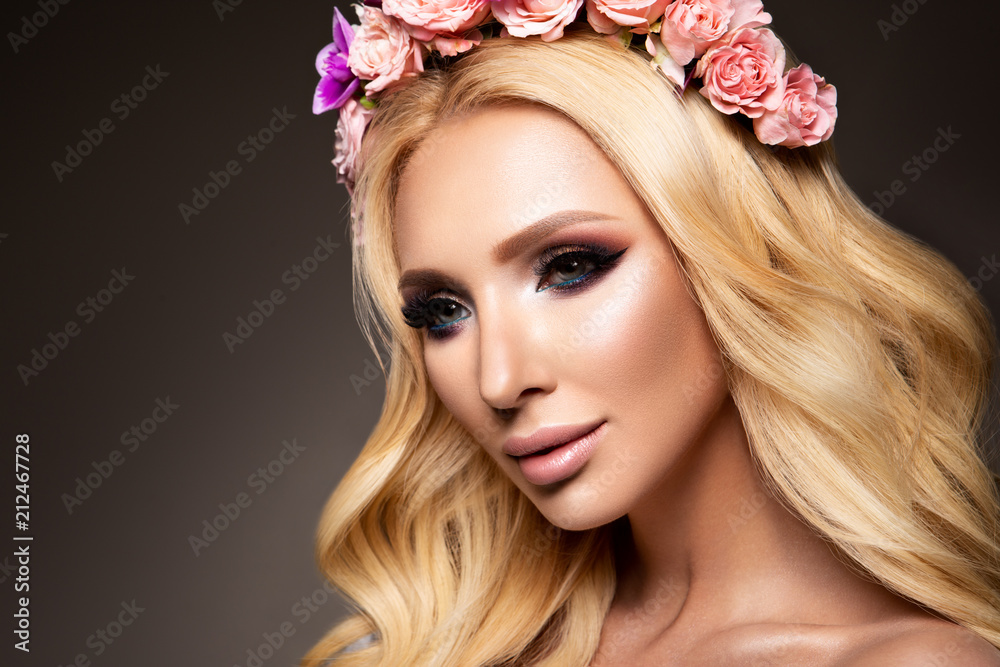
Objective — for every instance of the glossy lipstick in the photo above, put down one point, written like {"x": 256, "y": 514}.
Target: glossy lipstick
{"x": 552, "y": 454}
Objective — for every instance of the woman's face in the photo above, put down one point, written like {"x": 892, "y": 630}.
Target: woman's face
{"x": 551, "y": 298}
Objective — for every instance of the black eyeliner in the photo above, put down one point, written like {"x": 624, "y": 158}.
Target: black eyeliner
{"x": 602, "y": 258}
{"x": 424, "y": 305}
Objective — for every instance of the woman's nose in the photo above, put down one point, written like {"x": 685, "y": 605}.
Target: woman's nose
{"x": 513, "y": 362}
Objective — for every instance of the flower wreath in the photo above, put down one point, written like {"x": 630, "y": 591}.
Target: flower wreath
{"x": 721, "y": 43}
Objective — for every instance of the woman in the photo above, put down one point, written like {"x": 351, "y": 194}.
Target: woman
{"x": 661, "y": 390}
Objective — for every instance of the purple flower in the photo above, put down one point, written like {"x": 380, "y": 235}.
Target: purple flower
{"x": 337, "y": 82}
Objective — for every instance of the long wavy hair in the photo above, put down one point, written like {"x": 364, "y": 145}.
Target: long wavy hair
{"x": 859, "y": 359}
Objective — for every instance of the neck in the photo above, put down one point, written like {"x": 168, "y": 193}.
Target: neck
{"x": 711, "y": 542}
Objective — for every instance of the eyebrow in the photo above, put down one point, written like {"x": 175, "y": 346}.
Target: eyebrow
{"x": 505, "y": 250}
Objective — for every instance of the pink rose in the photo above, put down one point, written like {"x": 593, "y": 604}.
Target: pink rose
{"x": 743, "y": 72}
{"x": 383, "y": 50}
{"x": 605, "y": 16}
{"x": 351, "y": 126}
{"x": 450, "y": 44}
{"x": 536, "y": 17}
{"x": 433, "y": 16}
{"x": 691, "y": 26}
{"x": 806, "y": 115}
{"x": 441, "y": 23}
{"x": 663, "y": 61}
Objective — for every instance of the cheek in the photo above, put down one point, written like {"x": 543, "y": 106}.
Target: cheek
{"x": 446, "y": 378}
{"x": 449, "y": 369}
{"x": 667, "y": 367}
{"x": 671, "y": 354}
{"x": 655, "y": 372}
{"x": 644, "y": 338}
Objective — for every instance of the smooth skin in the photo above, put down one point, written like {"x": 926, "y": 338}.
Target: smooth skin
{"x": 717, "y": 572}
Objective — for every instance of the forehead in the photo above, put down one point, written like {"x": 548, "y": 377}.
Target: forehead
{"x": 478, "y": 178}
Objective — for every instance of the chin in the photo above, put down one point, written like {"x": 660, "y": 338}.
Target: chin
{"x": 577, "y": 505}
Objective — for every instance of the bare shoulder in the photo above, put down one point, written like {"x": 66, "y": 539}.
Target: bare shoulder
{"x": 927, "y": 642}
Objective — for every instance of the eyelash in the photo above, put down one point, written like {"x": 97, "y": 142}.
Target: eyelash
{"x": 422, "y": 307}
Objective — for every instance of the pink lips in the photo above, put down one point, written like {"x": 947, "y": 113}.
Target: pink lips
{"x": 545, "y": 437}
{"x": 553, "y": 453}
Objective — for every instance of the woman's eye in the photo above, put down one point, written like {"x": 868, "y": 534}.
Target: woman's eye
{"x": 442, "y": 312}
{"x": 437, "y": 314}
{"x": 576, "y": 268}
{"x": 568, "y": 267}
{"x": 565, "y": 271}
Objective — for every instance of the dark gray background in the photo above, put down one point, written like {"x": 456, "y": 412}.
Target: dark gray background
{"x": 162, "y": 335}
